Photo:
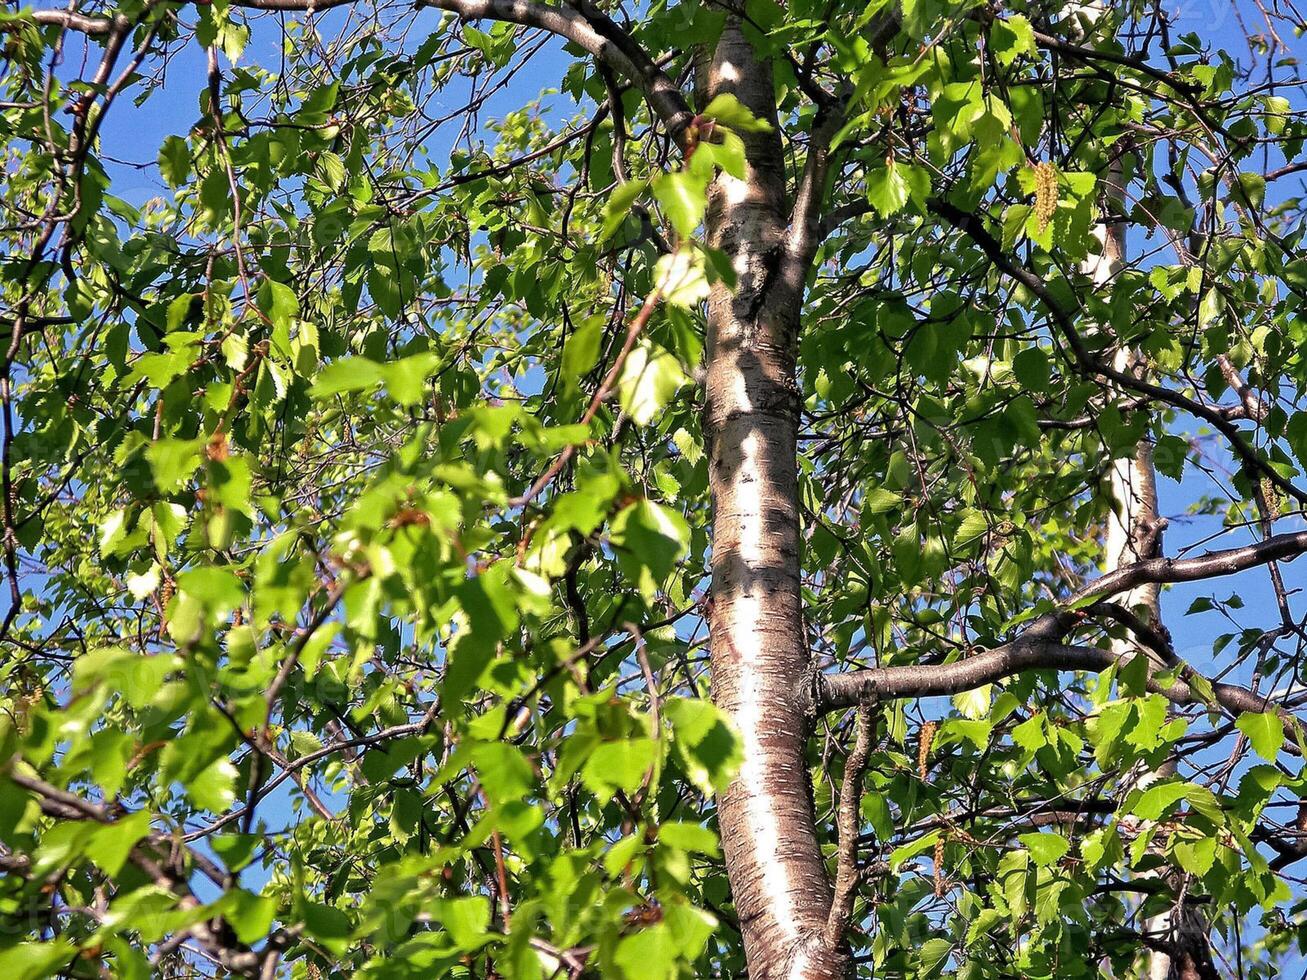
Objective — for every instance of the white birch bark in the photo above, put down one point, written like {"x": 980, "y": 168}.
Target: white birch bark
{"x": 1133, "y": 533}
{"x": 760, "y": 653}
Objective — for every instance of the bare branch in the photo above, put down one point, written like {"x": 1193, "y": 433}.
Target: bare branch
{"x": 1212, "y": 564}
{"x": 605, "y": 41}
{"x": 836, "y": 691}
{"x": 847, "y": 822}
{"x": 596, "y": 33}
{"x": 1039, "y": 648}
{"x": 92, "y": 26}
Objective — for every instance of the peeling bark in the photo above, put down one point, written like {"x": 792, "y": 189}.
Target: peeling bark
{"x": 778, "y": 879}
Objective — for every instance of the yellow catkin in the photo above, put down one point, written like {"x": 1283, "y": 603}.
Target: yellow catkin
{"x": 1045, "y": 193}
{"x": 939, "y": 868}
{"x": 1272, "y": 499}
{"x": 923, "y": 747}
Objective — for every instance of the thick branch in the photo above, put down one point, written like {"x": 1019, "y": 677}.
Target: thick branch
{"x": 610, "y": 45}
{"x": 597, "y": 35}
{"x": 1212, "y": 564}
{"x": 847, "y": 821}
{"x": 1080, "y": 53}
{"x": 807, "y": 226}
{"x": 836, "y": 691}
{"x": 1039, "y": 648}
{"x": 93, "y": 26}
{"x": 1251, "y": 403}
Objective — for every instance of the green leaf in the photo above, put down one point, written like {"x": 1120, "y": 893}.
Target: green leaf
{"x": 144, "y": 583}
{"x": 466, "y": 919}
{"x": 1046, "y": 849}
{"x": 173, "y": 462}
{"x": 1031, "y": 734}
{"x": 1265, "y": 731}
{"x": 906, "y": 852}
{"x": 976, "y": 731}
{"x": 725, "y": 150}
{"x": 160, "y": 370}
{"x": 34, "y": 961}
{"x": 619, "y": 765}
{"x": 1012, "y": 37}
{"x": 329, "y": 926}
{"x": 727, "y": 110}
{"x": 489, "y": 613}
{"x": 932, "y": 955}
{"x": 975, "y": 703}
{"x": 214, "y": 787}
{"x": 1133, "y": 676}
{"x": 505, "y": 774}
{"x": 236, "y": 351}
{"x": 974, "y": 526}
{"x": 706, "y": 745}
{"x": 348, "y": 374}
{"x": 650, "y": 539}
{"x": 236, "y": 850}
{"x": 1158, "y": 799}
{"x": 650, "y": 377}
{"x": 581, "y": 349}
{"x": 1250, "y": 189}
{"x": 175, "y": 161}
{"x": 1032, "y": 368}
{"x": 890, "y": 187}
{"x": 1102, "y": 847}
{"x": 129, "y": 963}
{"x": 406, "y": 378}
{"x": 109, "y": 845}
{"x": 683, "y": 198}
{"x": 1211, "y": 307}
{"x": 138, "y": 678}
{"x": 682, "y": 277}
{"x": 1195, "y": 856}
{"x": 881, "y": 501}
{"x": 689, "y": 837}
{"x": 618, "y": 206}
{"x": 279, "y": 302}
{"x": 648, "y": 954}
{"x": 1147, "y": 732}
{"x": 250, "y": 915}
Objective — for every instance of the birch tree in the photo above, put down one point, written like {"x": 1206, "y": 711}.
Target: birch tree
{"x": 495, "y": 488}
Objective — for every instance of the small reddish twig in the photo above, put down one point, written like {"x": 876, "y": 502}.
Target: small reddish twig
{"x": 501, "y": 873}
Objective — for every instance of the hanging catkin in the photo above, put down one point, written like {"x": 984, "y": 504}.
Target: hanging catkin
{"x": 927, "y": 736}
{"x": 1045, "y": 193}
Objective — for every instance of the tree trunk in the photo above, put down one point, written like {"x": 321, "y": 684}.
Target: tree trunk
{"x": 759, "y": 650}
{"x": 1134, "y": 530}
